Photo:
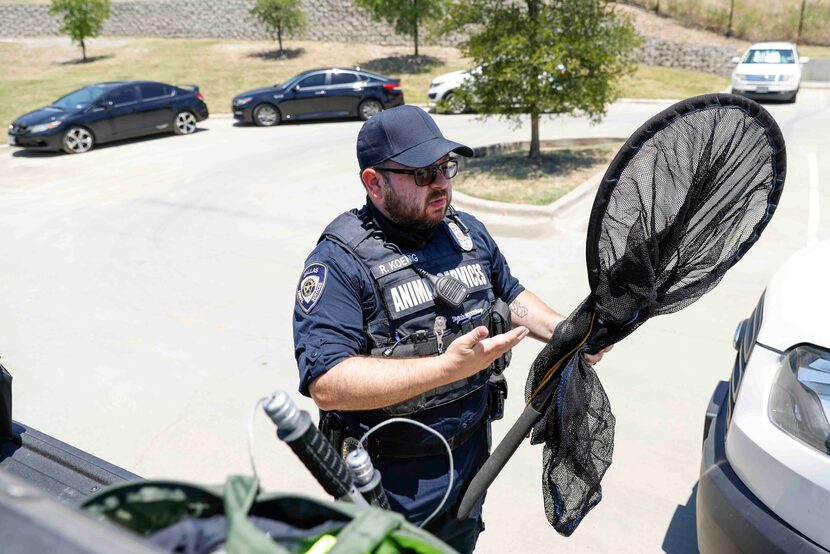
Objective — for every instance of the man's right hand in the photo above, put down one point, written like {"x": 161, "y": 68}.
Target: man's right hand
{"x": 470, "y": 353}
{"x": 363, "y": 383}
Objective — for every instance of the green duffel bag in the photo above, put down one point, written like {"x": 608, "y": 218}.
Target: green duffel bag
{"x": 240, "y": 518}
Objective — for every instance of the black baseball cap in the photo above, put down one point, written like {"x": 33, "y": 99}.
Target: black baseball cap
{"x": 407, "y": 135}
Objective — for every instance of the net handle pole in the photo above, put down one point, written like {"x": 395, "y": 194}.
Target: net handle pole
{"x": 497, "y": 460}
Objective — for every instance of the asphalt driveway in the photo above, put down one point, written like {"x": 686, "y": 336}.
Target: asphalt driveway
{"x": 146, "y": 291}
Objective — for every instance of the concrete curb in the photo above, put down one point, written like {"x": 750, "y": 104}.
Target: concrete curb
{"x": 648, "y": 100}
{"x": 524, "y": 220}
{"x": 229, "y": 115}
{"x": 426, "y": 107}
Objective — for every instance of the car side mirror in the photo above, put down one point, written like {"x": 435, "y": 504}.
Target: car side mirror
{"x": 296, "y": 88}
{"x": 107, "y": 105}
{"x": 736, "y": 59}
{"x": 805, "y": 60}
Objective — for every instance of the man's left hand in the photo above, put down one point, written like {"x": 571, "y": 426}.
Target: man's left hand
{"x": 593, "y": 359}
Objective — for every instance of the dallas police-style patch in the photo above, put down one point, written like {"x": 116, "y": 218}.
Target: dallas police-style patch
{"x": 462, "y": 239}
{"x": 312, "y": 283}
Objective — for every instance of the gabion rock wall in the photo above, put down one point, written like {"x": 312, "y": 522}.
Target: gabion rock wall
{"x": 328, "y": 20}
{"x": 712, "y": 59}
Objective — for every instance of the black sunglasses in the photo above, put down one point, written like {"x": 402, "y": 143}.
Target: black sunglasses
{"x": 426, "y": 175}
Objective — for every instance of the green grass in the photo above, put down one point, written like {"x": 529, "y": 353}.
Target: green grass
{"x": 752, "y": 20}
{"x": 38, "y": 71}
{"x": 509, "y": 177}
{"x": 668, "y": 82}
{"x": 814, "y": 51}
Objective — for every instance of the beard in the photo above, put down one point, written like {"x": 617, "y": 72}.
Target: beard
{"x": 408, "y": 212}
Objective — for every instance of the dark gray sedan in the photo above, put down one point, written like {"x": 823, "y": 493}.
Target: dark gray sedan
{"x": 319, "y": 93}
{"x": 109, "y": 111}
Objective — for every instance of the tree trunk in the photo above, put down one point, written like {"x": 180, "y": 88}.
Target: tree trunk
{"x": 731, "y": 11}
{"x": 657, "y": 7}
{"x": 415, "y": 10}
{"x": 83, "y": 49}
{"x": 801, "y": 20}
{"x": 535, "y": 154}
{"x": 279, "y": 38}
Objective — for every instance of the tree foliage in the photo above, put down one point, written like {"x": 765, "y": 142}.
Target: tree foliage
{"x": 539, "y": 56}
{"x": 409, "y": 17}
{"x": 280, "y": 17}
{"x": 82, "y": 19}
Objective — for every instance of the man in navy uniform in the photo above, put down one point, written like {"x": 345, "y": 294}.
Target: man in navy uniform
{"x": 397, "y": 314}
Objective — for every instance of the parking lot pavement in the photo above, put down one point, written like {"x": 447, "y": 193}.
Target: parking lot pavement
{"x": 146, "y": 291}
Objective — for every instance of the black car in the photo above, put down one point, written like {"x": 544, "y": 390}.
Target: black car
{"x": 319, "y": 93}
{"x": 109, "y": 111}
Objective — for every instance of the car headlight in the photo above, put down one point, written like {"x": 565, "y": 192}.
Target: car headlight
{"x": 800, "y": 399}
{"x": 243, "y": 101}
{"x": 741, "y": 76}
{"x": 44, "y": 126}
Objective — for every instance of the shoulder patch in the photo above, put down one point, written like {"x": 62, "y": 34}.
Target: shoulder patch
{"x": 312, "y": 283}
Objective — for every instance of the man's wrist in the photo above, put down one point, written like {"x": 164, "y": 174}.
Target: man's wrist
{"x": 443, "y": 367}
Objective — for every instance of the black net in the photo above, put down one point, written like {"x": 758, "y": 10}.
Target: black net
{"x": 573, "y": 466}
{"x": 678, "y": 209}
{"x": 684, "y": 199}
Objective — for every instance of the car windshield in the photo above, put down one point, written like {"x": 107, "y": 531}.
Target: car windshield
{"x": 80, "y": 98}
{"x": 770, "y": 55}
{"x": 293, "y": 80}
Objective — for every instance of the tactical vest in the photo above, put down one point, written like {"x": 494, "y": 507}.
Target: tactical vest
{"x": 404, "y": 323}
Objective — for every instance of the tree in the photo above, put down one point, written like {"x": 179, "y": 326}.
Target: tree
{"x": 408, "y": 16}
{"x": 801, "y": 20}
{"x": 280, "y": 16}
{"x": 538, "y": 56}
{"x": 82, "y": 19}
{"x": 731, "y": 13}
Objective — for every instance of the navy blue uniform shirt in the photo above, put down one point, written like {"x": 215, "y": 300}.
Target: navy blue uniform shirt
{"x": 330, "y": 327}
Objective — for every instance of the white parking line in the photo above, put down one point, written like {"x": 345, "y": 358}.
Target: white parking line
{"x": 814, "y": 200}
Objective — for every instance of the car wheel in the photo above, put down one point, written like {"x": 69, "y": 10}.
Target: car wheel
{"x": 454, "y": 104}
{"x": 266, "y": 115}
{"x": 184, "y": 124}
{"x": 77, "y": 140}
{"x": 369, "y": 108}
{"x": 791, "y": 99}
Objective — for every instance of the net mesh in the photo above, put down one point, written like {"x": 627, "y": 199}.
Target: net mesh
{"x": 681, "y": 211}
{"x": 683, "y": 200}
{"x": 576, "y": 463}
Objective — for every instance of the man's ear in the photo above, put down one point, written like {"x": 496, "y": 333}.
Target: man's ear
{"x": 372, "y": 182}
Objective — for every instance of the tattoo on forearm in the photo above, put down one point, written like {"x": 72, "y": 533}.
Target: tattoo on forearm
{"x": 518, "y": 308}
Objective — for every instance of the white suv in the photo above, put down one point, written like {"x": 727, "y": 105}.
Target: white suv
{"x": 441, "y": 92}
{"x": 768, "y": 70}
{"x": 765, "y": 476}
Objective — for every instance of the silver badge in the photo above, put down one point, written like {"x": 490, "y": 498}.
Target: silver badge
{"x": 463, "y": 240}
